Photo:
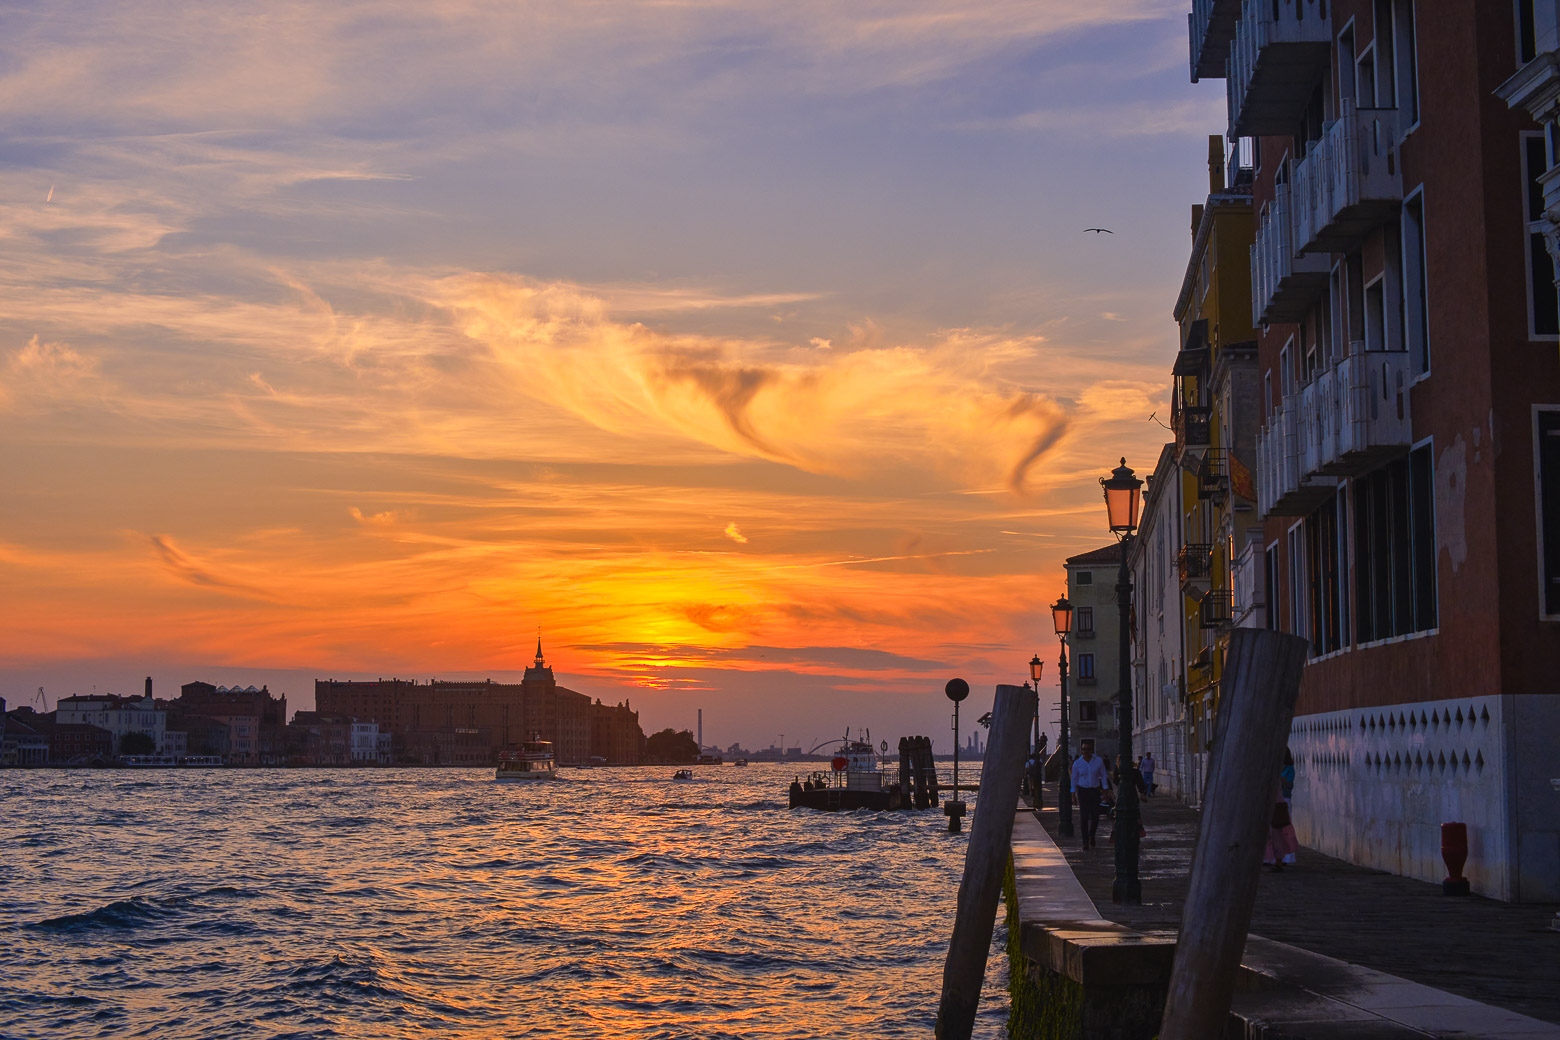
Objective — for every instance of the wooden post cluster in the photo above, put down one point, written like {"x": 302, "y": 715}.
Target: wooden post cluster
{"x": 918, "y": 773}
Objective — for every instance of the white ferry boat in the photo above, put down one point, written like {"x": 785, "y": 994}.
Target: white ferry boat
{"x": 534, "y": 761}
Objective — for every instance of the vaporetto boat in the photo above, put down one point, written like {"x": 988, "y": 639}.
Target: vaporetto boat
{"x": 534, "y": 761}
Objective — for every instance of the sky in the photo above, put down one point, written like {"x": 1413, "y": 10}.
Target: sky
{"x": 753, "y": 354}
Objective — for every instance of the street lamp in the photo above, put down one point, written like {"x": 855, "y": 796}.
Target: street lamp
{"x": 1123, "y": 496}
{"x": 1036, "y": 666}
{"x": 956, "y": 690}
{"x": 1061, "y": 617}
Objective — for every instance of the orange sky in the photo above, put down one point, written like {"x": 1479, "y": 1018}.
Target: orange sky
{"x": 300, "y": 377}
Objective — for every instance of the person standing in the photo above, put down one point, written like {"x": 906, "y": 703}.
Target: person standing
{"x": 1089, "y": 779}
{"x": 1147, "y": 769}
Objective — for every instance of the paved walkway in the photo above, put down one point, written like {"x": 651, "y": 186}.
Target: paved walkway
{"x": 1497, "y": 953}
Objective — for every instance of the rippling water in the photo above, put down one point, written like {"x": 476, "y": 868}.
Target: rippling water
{"x": 391, "y": 903}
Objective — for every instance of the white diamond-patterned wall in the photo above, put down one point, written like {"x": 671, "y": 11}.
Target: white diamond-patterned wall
{"x": 1374, "y": 785}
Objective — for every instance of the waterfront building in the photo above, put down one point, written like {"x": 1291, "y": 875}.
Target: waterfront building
{"x": 21, "y": 742}
{"x": 256, "y": 719}
{"x": 446, "y": 722}
{"x": 1093, "y": 649}
{"x": 1407, "y": 468}
{"x": 78, "y": 744}
{"x": 615, "y": 734}
{"x": 1160, "y": 721}
{"x": 118, "y": 715}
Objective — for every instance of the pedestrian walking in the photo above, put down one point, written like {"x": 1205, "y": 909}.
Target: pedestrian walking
{"x": 1147, "y": 769}
{"x": 1089, "y": 781}
{"x": 1283, "y": 844}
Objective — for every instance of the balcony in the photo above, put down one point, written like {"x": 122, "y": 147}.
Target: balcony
{"x": 1211, "y": 26}
{"x": 1195, "y": 562}
{"x": 1282, "y": 489}
{"x": 1280, "y": 50}
{"x": 1215, "y": 609}
{"x": 1348, "y": 419}
{"x": 1213, "y": 476}
{"x": 1284, "y": 282}
{"x": 1192, "y": 426}
{"x": 1355, "y": 413}
{"x": 1349, "y": 182}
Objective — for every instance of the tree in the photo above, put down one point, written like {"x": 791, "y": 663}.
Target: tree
{"x": 137, "y": 744}
{"x": 670, "y": 745}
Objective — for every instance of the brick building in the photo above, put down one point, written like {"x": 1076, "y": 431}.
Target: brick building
{"x": 426, "y": 718}
{"x": 1407, "y": 472}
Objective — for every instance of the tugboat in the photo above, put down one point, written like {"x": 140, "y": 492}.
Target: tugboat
{"x": 853, "y": 781}
{"x": 534, "y": 761}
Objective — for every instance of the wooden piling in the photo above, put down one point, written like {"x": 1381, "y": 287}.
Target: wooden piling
{"x": 1256, "y": 705}
{"x": 985, "y": 862}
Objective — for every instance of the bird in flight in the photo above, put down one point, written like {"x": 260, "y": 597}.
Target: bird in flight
{"x": 1098, "y": 230}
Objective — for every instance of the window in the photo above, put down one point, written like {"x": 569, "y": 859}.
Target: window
{"x": 1547, "y": 457}
{"x": 1085, "y": 667}
{"x": 1405, "y": 61}
{"x": 1416, "y": 316}
{"x": 1084, "y": 616}
{"x": 1394, "y": 546}
{"x": 1326, "y": 558}
{"x": 1083, "y": 578}
{"x": 1088, "y": 711}
{"x": 1271, "y": 559}
{"x": 1299, "y": 584}
{"x": 1543, "y": 303}
{"x": 1527, "y": 32}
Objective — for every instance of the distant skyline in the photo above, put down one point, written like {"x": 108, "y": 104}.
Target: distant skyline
{"x": 756, "y": 354}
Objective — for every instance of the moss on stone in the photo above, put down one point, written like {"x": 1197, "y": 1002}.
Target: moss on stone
{"x": 1043, "y": 1005}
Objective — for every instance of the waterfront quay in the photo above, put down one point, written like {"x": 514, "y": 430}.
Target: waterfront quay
{"x": 1335, "y": 950}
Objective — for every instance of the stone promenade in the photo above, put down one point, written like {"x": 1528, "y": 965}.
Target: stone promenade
{"x": 1496, "y": 953}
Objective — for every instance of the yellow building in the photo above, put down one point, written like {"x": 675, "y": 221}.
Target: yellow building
{"x": 1205, "y": 536}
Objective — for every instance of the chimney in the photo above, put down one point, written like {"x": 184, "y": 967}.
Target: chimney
{"x": 1215, "y": 164}
{"x": 148, "y": 687}
{"x": 701, "y": 731}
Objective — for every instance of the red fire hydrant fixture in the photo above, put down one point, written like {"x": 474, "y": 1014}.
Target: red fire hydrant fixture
{"x": 1454, "y": 850}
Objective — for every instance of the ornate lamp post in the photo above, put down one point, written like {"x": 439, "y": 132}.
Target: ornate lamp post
{"x": 1036, "y": 666}
{"x": 1123, "y": 496}
{"x": 1061, "y": 617}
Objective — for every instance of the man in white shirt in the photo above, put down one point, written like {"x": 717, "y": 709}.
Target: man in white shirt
{"x": 1089, "y": 780}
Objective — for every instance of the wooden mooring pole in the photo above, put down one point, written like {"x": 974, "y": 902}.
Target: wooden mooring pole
{"x": 985, "y": 862}
{"x": 1256, "y": 705}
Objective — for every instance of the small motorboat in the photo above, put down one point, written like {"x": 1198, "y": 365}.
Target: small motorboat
{"x": 534, "y": 761}
{"x": 683, "y": 774}
{"x": 740, "y": 762}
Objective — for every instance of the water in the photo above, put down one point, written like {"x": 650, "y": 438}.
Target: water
{"x": 423, "y": 903}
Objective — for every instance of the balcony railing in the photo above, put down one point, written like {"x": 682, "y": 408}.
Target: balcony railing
{"x": 1192, "y": 426}
{"x": 1283, "y": 489}
{"x": 1351, "y": 416}
{"x": 1279, "y": 52}
{"x": 1213, "y": 475}
{"x": 1284, "y": 281}
{"x": 1355, "y": 413}
{"x": 1350, "y": 180}
{"x": 1195, "y": 562}
{"x": 1215, "y": 609}
{"x": 1247, "y": 578}
{"x": 1211, "y": 26}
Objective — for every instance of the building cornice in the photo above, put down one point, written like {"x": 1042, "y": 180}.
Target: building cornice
{"x": 1535, "y": 87}
{"x": 1222, "y": 202}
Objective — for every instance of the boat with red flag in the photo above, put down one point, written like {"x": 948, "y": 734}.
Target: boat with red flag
{"x": 854, "y": 780}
